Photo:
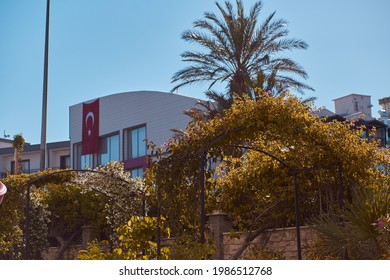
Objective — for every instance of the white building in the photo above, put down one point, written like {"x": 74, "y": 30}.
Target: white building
{"x": 352, "y": 104}
{"x": 125, "y": 121}
{"x": 356, "y": 107}
{"x": 57, "y": 156}
{"x": 5, "y": 143}
{"x": 385, "y": 103}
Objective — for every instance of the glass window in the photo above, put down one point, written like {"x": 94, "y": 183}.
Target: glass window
{"x": 356, "y": 105}
{"x": 136, "y": 145}
{"x": 64, "y": 162}
{"x": 82, "y": 161}
{"x": 108, "y": 149}
{"x": 24, "y": 166}
{"x": 137, "y": 172}
{"x": 86, "y": 161}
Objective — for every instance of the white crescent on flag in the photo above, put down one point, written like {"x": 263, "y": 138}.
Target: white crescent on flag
{"x": 92, "y": 116}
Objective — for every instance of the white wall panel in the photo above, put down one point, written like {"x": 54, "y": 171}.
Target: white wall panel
{"x": 160, "y": 111}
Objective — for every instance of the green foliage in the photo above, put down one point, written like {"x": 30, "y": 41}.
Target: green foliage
{"x": 282, "y": 135}
{"x": 124, "y": 196}
{"x": 361, "y": 231}
{"x": 12, "y": 223}
{"x": 61, "y": 203}
{"x": 95, "y": 251}
{"x": 11, "y": 244}
{"x": 12, "y": 212}
{"x": 188, "y": 248}
{"x": 136, "y": 242}
{"x": 258, "y": 253}
{"x": 135, "y": 239}
{"x": 18, "y": 142}
{"x": 383, "y": 238}
{"x": 39, "y": 225}
{"x": 71, "y": 208}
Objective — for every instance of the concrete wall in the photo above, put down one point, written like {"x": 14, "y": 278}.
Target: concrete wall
{"x": 346, "y": 105}
{"x": 32, "y": 153}
{"x": 5, "y": 143}
{"x": 5, "y": 162}
{"x": 34, "y": 157}
{"x": 55, "y": 157}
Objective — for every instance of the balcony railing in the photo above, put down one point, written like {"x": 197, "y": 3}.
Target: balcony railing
{"x": 28, "y": 171}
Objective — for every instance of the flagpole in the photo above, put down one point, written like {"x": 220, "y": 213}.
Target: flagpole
{"x": 44, "y": 96}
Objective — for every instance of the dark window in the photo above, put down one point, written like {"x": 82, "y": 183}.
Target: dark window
{"x": 24, "y": 165}
{"x": 64, "y": 162}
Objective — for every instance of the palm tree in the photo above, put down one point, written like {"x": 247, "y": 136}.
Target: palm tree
{"x": 18, "y": 145}
{"x": 360, "y": 231}
{"x": 240, "y": 52}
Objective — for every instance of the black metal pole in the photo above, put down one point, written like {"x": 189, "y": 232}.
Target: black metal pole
{"x": 297, "y": 216}
{"x": 341, "y": 196}
{"x": 144, "y": 206}
{"x": 27, "y": 225}
{"x": 202, "y": 197}
{"x": 158, "y": 222}
{"x": 44, "y": 95}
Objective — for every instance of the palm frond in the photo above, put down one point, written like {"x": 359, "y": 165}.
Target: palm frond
{"x": 352, "y": 235}
{"x": 236, "y": 48}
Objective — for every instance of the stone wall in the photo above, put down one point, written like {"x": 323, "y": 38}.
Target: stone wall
{"x": 279, "y": 240}
{"x": 72, "y": 252}
{"x": 69, "y": 254}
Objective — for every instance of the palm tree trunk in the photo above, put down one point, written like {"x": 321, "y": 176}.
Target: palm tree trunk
{"x": 16, "y": 158}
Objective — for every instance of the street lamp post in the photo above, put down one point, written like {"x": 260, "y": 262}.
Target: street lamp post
{"x": 44, "y": 95}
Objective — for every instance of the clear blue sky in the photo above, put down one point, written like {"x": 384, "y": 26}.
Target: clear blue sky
{"x": 101, "y": 47}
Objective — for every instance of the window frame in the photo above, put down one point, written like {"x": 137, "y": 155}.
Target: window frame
{"x": 63, "y": 160}
{"x": 23, "y": 171}
{"x": 137, "y": 169}
{"x": 98, "y": 155}
{"x": 77, "y": 157}
{"x": 127, "y": 141}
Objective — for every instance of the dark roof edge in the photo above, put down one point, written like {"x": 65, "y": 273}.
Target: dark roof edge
{"x": 36, "y": 147}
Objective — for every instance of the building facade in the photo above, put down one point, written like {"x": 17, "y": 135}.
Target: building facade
{"x": 353, "y": 104}
{"x": 126, "y": 120}
{"x": 57, "y": 156}
{"x": 357, "y": 107}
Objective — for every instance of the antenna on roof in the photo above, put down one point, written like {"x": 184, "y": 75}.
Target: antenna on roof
{"x": 6, "y": 135}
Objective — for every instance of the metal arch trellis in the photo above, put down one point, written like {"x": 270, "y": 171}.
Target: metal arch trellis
{"x": 293, "y": 171}
{"x": 28, "y": 198}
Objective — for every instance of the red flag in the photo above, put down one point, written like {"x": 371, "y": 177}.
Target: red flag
{"x": 90, "y": 137}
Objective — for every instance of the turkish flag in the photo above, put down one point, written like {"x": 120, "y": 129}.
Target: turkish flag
{"x": 90, "y": 137}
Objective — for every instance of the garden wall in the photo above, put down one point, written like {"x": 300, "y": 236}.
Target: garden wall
{"x": 281, "y": 240}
